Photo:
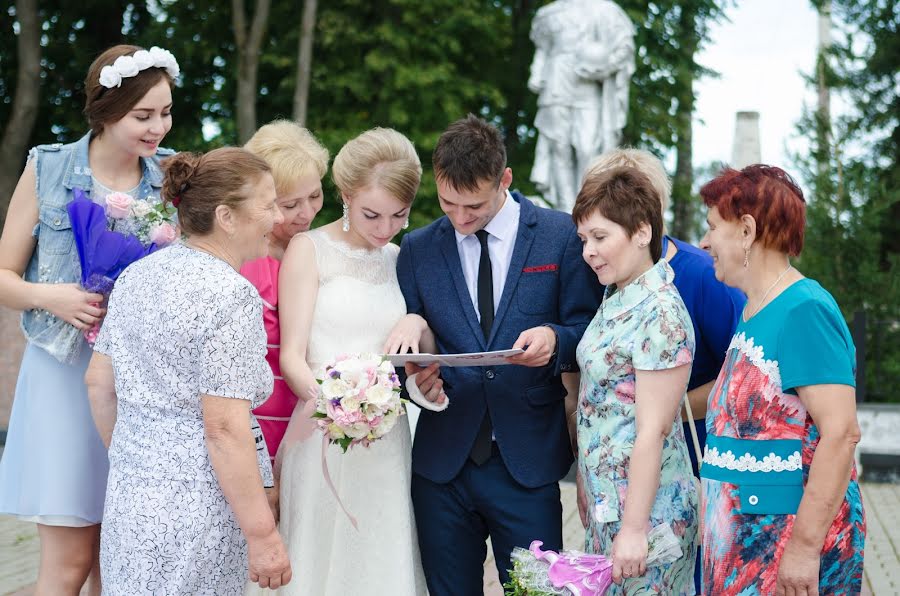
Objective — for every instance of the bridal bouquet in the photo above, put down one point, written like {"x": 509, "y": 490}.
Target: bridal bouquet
{"x": 109, "y": 240}
{"x": 538, "y": 572}
{"x": 359, "y": 399}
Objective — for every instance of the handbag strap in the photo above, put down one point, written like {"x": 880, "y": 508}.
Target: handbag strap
{"x": 690, "y": 417}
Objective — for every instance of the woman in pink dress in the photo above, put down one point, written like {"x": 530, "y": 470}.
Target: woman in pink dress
{"x": 298, "y": 163}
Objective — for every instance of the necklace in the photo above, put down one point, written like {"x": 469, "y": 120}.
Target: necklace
{"x": 766, "y": 295}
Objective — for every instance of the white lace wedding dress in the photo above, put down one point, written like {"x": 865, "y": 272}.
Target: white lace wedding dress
{"x": 358, "y": 302}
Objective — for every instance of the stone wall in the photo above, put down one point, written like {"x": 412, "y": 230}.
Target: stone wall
{"x": 878, "y": 452}
{"x": 12, "y": 343}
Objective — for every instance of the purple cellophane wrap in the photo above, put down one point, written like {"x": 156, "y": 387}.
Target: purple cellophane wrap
{"x": 103, "y": 254}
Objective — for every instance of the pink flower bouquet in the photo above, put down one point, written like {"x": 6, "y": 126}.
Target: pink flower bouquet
{"x": 538, "y": 572}
{"x": 358, "y": 401}
{"x": 150, "y": 222}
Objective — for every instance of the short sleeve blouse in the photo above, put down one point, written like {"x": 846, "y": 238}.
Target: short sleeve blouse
{"x": 181, "y": 323}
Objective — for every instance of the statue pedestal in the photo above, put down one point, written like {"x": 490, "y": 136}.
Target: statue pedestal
{"x": 878, "y": 452}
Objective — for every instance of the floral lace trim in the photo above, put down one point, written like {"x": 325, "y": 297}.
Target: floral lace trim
{"x": 757, "y": 357}
{"x": 367, "y": 254}
{"x": 749, "y": 463}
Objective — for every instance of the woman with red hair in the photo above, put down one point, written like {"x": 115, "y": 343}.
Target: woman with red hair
{"x": 781, "y": 502}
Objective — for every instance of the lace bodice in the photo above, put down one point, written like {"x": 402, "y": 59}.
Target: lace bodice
{"x": 359, "y": 299}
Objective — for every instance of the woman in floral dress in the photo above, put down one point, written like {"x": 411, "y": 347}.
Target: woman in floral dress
{"x": 635, "y": 362}
{"x": 782, "y": 507}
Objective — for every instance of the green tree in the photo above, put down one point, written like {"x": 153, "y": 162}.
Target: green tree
{"x": 854, "y": 179}
{"x": 412, "y": 65}
{"x": 69, "y": 41}
{"x": 669, "y": 36}
{"x": 23, "y": 109}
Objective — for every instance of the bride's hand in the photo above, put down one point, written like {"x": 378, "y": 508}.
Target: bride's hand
{"x": 405, "y": 335}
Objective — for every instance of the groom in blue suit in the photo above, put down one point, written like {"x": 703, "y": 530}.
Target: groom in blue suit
{"x": 495, "y": 273}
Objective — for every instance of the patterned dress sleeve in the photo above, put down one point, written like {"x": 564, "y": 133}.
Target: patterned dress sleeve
{"x": 815, "y": 347}
{"x": 233, "y": 353}
{"x": 233, "y": 365}
{"x": 664, "y": 337}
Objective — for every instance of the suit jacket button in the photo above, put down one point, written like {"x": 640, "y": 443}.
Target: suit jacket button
{"x": 489, "y": 374}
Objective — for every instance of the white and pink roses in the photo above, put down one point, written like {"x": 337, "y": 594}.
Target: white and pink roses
{"x": 149, "y": 221}
{"x": 359, "y": 399}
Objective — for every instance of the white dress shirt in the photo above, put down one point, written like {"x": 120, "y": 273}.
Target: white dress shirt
{"x": 502, "y": 230}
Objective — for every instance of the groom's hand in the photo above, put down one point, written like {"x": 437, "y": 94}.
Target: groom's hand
{"x": 539, "y": 344}
{"x": 428, "y": 381}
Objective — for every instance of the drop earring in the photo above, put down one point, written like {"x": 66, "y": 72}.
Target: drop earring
{"x": 406, "y": 223}
{"x": 746, "y": 258}
{"x": 345, "y": 218}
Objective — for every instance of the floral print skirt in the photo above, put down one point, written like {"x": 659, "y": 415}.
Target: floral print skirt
{"x": 170, "y": 537}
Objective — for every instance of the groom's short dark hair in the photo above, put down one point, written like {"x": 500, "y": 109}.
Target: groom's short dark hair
{"x": 469, "y": 152}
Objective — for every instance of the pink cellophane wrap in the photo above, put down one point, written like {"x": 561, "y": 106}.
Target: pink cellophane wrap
{"x": 582, "y": 574}
{"x": 574, "y": 573}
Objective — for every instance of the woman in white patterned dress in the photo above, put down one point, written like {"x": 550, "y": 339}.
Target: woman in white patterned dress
{"x": 179, "y": 361}
{"x": 339, "y": 294}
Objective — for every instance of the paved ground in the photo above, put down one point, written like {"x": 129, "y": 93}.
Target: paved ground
{"x": 19, "y": 545}
{"x": 12, "y": 344}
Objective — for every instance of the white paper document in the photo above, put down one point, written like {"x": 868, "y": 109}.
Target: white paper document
{"x": 495, "y": 358}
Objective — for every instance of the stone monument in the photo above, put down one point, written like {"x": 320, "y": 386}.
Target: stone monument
{"x": 583, "y": 62}
{"x": 746, "y": 140}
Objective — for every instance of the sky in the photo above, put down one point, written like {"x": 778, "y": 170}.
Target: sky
{"x": 761, "y": 53}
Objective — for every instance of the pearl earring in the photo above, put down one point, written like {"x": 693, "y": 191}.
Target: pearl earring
{"x": 346, "y": 218}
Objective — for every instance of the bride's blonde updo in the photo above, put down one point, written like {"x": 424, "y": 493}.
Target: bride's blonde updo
{"x": 382, "y": 158}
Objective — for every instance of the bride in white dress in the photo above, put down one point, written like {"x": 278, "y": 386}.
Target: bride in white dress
{"x": 338, "y": 294}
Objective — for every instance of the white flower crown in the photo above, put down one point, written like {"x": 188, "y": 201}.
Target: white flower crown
{"x": 128, "y": 66}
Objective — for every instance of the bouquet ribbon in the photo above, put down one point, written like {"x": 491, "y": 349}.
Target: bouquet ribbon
{"x": 330, "y": 484}
{"x": 300, "y": 428}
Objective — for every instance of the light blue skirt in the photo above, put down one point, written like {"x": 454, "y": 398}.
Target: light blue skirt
{"x": 54, "y": 465}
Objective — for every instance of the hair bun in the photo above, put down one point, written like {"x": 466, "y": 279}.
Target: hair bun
{"x": 178, "y": 171}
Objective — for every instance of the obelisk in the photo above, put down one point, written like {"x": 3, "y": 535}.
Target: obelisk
{"x": 746, "y": 140}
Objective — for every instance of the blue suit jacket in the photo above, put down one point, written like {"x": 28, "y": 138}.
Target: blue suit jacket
{"x": 548, "y": 284}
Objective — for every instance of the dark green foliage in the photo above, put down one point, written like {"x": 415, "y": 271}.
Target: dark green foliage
{"x": 853, "y": 216}
{"x": 412, "y": 65}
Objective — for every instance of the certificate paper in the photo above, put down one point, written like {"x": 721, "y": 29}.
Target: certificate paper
{"x": 495, "y": 358}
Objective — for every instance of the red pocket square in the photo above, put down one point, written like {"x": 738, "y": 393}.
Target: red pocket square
{"x": 540, "y": 268}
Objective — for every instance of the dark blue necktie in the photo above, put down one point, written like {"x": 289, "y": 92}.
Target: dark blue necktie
{"x": 481, "y": 449}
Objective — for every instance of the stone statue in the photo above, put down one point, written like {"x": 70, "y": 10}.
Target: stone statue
{"x": 583, "y": 62}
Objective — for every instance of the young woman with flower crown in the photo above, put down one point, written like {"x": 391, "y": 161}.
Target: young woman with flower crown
{"x": 54, "y": 467}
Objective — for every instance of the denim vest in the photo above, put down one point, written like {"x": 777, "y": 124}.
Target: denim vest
{"x": 58, "y": 170}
